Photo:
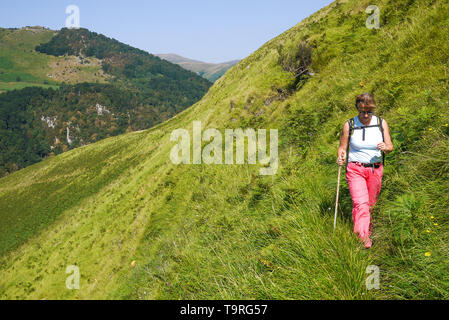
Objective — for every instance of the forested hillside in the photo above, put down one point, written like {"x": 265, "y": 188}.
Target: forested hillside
{"x": 123, "y": 89}
{"x": 131, "y": 67}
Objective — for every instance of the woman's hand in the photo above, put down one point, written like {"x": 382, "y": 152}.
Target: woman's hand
{"x": 382, "y": 146}
{"x": 341, "y": 158}
{"x": 385, "y": 147}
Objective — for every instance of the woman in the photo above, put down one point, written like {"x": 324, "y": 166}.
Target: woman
{"x": 367, "y": 138}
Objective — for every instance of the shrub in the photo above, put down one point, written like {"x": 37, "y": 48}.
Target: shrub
{"x": 295, "y": 58}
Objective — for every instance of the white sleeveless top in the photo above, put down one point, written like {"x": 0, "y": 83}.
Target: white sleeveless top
{"x": 365, "y": 151}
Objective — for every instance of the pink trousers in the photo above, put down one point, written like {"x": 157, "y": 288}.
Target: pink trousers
{"x": 364, "y": 186}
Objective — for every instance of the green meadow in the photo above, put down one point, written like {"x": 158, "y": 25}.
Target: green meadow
{"x": 7, "y": 86}
{"x": 140, "y": 227}
{"x": 21, "y": 66}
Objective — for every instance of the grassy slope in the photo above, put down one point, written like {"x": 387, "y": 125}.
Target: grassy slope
{"x": 19, "y": 59}
{"x": 226, "y": 232}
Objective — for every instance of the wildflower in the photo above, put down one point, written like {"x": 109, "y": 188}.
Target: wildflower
{"x": 427, "y": 254}
{"x": 435, "y": 224}
{"x": 432, "y": 217}
{"x": 428, "y": 231}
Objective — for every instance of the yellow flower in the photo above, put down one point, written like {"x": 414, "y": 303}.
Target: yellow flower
{"x": 427, "y": 254}
{"x": 435, "y": 224}
{"x": 432, "y": 217}
{"x": 428, "y": 231}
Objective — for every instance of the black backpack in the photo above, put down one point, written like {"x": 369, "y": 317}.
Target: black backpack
{"x": 352, "y": 127}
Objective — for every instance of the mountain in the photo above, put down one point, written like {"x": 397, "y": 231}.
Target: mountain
{"x": 210, "y": 71}
{"x": 90, "y": 87}
{"x": 139, "y": 226}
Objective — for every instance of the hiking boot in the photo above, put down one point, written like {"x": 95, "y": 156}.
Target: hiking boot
{"x": 367, "y": 242}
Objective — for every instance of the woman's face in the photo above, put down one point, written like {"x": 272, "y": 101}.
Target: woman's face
{"x": 365, "y": 113}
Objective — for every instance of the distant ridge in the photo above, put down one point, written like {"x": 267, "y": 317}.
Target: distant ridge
{"x": 210, "y": 71}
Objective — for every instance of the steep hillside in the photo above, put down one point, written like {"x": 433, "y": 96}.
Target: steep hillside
{"x": 210, "y": 71}
{"x": 123, "y": 89}
{"x": 138, "y": 226}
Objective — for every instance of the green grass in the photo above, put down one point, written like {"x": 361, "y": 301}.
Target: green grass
{"x": 18, "y": 59}
{"x": 213, "y": 232}
{"x": 7, "y": 86}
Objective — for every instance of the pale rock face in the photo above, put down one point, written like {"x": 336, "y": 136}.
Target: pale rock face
{"x": 56, "y": 142}
{"x": 51, "y": 122}
{"x": 101, "y": 109}
{"x": 69, "y": 141}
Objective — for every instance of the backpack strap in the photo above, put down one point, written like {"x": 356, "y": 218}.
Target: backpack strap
{"x": 383, "y": 137}
{"x": 351, "y": 130}
{"x": 379, "y": 122}
{"x": 364, "y": 127}
{"x": 351, "y": 126}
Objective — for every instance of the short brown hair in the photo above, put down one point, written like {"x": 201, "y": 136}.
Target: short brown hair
{"x": 365, "y": 100}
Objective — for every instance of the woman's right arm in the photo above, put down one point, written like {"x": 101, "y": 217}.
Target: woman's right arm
{"x": 344, "y": 140}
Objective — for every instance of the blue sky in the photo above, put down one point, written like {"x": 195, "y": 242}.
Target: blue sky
{"x": 209, "y": 31}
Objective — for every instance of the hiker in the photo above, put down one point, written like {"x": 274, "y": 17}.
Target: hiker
{"x": 365, "y": 137}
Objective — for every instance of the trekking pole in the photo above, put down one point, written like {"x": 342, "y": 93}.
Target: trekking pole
{"x": 336, "y": 200}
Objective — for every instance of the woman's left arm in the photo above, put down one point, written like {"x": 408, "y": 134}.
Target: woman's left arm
{"x": 386, "y": 146}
